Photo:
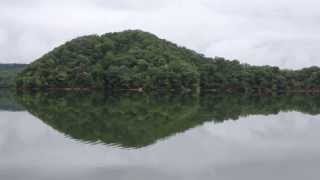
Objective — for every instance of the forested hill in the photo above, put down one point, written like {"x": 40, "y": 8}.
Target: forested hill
{"x": 139, "y": 60}
{"x": 8, "y": 73}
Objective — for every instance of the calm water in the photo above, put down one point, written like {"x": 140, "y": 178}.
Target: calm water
{"x": 84, "y": 136}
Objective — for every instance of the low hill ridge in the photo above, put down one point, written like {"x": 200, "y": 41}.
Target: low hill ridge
{"x": 138, "y": 60}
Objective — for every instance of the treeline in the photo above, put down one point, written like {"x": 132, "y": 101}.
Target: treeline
{"x": 221, "y": 74}
{"x": 139, "y": 60}
{"x": 8, "y": 73}
{"x": 137, "y": 120}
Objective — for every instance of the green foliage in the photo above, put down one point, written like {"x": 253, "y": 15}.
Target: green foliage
{"x": 8, "y": 73}
{"x": 126, "y": 60}
{"x": 137, "y": 120}
{"x": 135, "y": 59}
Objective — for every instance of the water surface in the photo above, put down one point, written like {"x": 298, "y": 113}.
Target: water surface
{"x": 135, "y": 136}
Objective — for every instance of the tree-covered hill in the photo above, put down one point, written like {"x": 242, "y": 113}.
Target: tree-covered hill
{"x": 8, "y": 73}
{"x": 139, "y": 60}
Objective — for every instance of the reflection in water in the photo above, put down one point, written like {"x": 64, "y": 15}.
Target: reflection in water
{"x": 138, "y": 120}
{"x": 260, "y": 147}
{"x": 7, "y": 101}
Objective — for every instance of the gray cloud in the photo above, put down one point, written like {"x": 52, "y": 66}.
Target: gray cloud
{"x": 275, "y": 32}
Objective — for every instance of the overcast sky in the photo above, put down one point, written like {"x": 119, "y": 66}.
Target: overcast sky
{"x": 273, "y": 32}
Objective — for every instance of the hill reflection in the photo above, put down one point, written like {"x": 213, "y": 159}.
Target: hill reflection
{"x": 138, "y": 120}
{"x": 7, "y": 101}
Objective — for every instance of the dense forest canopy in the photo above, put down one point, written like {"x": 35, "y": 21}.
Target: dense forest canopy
{"x": 137, "y": 120}
{"x": 8, "y": 73}
{"x": 134, "y": 59}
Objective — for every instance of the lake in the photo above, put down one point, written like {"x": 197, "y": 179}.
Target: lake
{"x": 82, "y": 135}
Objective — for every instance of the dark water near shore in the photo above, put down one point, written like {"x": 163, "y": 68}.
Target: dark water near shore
{"x": 135, "y": 136}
